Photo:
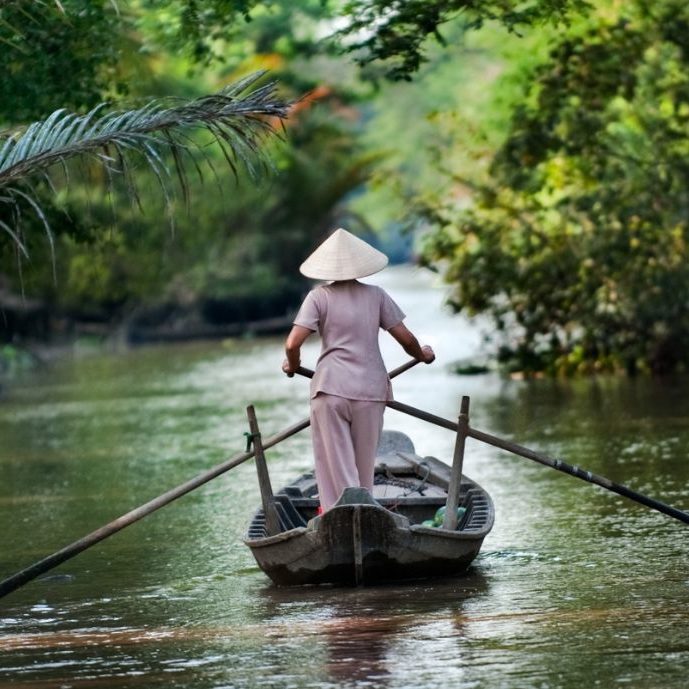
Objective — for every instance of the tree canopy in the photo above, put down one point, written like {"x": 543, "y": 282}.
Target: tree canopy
{"x": 577, "y": 243}
{"x": 238, "y": 119}
{"x": 548, "y": 172}
{"x": 58, "y": 55}
{"x": 389, "y": 36}
{"x": 96, "y": 253}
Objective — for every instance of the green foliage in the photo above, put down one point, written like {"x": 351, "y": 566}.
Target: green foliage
{"x": 230, "y": 31}
{"x": 237, "y": 248}
{"x": 234, "y": 256}
{"x": 394, "y": 33}
{"x": 578, "y": 244}
{"x": 453, "y": 118}
{"x": 238, "y": 243}
{"x": 388, "y": 36}
{"x": 237, "y": 119}
{"x": 251, "y": 245}
{"x": 57, "y": 55}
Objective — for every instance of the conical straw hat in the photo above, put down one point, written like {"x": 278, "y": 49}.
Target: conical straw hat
{"x": 342, "y": 256}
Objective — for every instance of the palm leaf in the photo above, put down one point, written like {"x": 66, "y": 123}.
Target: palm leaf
{"x": 238, "y": 118}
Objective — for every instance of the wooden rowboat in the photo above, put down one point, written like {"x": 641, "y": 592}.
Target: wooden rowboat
{"x": 364, "y": 538}
{"x": 373, "y": 538}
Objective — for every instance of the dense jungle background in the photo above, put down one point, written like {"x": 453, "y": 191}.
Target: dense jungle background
{"x": 536, "y": 154}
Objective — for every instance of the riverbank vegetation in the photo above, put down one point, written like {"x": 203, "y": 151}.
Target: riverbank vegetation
{"x": 576, "y": 241}
{"x": 536, "y": 151}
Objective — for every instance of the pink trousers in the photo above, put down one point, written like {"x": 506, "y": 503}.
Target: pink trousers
{"x": 345, "y": 436}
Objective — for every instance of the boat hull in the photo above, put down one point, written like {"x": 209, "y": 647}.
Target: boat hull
{"x": 370, "y": 538}
{"x": 363, "y": 544}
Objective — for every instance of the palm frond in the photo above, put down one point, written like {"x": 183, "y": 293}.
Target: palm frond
{"x": 239, "y": 119}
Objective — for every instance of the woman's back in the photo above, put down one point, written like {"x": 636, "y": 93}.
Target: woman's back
{"x": 348, "y": 315}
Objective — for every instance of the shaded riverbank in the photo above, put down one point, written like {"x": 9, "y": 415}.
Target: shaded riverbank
{"x": 33, "y": 326}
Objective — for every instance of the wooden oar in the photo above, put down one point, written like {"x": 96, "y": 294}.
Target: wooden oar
{"x": 558, "y": 464}
{"x": 522, "y": 451}
{"x": 20, "y": 578}
{"x": 308, "y": 373}
{"x": 25, "y": 575}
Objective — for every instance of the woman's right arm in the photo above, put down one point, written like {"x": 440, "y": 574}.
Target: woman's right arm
{"x": 410, "y": 344}
{"x": 293, "y": 344}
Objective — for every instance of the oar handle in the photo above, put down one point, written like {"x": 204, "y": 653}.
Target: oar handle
{"x": 404, "y": 367}
{"x": 308, "y": 373}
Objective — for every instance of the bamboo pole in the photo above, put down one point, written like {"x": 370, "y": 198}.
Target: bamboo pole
{"x": 271, "y": 514}
{"x": 557, "y": 464}
{"x": 450, "y": 519}
{"x": 24, "y": 576}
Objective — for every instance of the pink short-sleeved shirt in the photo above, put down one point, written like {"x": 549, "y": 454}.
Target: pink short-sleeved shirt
{"x": 348, "y": 315}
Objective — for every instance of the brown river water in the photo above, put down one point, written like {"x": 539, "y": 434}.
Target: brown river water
{"x": 575, "y": 587}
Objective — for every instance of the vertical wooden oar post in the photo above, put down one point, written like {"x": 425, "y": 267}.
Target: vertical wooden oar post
{"x": 269, "y": 509}
{"x": 450, "y": 520}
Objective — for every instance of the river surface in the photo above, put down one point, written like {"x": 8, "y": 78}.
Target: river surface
{"x": 575, "y": 587}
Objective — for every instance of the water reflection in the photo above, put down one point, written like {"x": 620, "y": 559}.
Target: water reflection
{"x": 369, "y": 634}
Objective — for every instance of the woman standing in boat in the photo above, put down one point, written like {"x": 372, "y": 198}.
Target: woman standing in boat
{"x": 351, "y": 385}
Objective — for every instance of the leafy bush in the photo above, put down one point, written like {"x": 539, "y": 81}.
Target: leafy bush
{"x": 578, "y": 244}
